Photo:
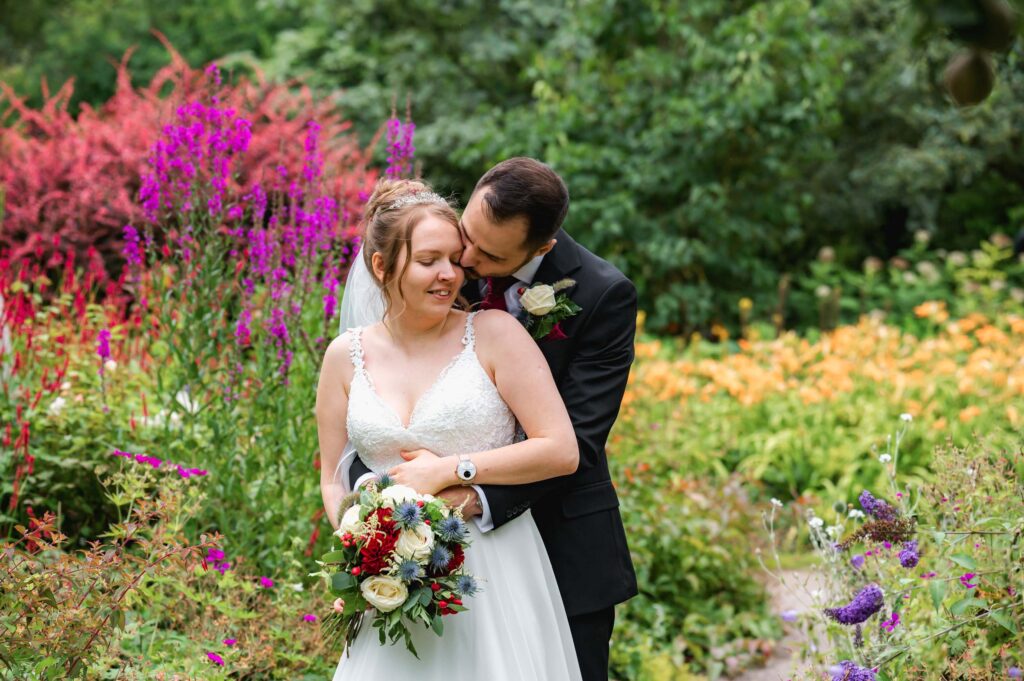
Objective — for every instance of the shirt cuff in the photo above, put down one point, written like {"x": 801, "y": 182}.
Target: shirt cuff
{"x": 484, "y": 523}
{"x": 362, "y": 480}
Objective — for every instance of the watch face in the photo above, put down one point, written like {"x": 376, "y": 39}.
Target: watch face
{"x": 466, "y": 470}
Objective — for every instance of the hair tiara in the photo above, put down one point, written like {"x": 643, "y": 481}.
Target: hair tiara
{"x": 415, "y": 198}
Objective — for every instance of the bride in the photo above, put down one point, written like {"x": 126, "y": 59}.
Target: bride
{"x": 446, "y": 387}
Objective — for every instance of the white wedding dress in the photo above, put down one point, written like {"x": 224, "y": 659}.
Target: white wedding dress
{"x": 516, "y": 628}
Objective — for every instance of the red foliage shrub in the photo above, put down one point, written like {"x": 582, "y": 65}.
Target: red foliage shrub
{"x": 72, "y": 183}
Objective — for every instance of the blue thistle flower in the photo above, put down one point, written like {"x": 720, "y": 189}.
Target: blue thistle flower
{"x": 864, "y": 605}
{"x": 466, "y": 585}
{"x": 451, "y": 529}
{"x": 409, "y": 570}
{"x": 407, "y": 515}
{"x": 384, "y": 480}
{"x": 439, "y": 558}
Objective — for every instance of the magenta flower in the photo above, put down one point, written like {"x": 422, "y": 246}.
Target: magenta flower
{"x": 103, "y": 344}
{"x": 230, "y": 642}
{"x": 966, "y": 578}
{"x": 216, "y": 659}
{"x": 266, "y": 582}
{"x": 891, "y": 623}
{"x": 309, "y": 618}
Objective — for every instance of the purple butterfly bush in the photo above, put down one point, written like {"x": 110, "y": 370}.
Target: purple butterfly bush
{"x": 849, "y": 671}
{"x": 909, "y": 556}
{"x": 865, "y": 604}
{"x": 877, "y": 508}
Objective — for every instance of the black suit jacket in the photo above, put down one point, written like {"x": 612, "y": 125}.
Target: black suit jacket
{"x": 578, "y": 515}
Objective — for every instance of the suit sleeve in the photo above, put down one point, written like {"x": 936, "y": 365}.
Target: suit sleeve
{"x": 592, "y": 389}
{"x": 356, "y": 470}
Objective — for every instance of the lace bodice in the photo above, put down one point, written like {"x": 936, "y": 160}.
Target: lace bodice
{"x": 460, "y": 413}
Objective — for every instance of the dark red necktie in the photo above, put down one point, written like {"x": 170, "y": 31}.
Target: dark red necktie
{"x": 495, "y": 298}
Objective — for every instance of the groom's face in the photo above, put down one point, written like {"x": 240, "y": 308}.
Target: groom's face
{"x": 493, "y": 249}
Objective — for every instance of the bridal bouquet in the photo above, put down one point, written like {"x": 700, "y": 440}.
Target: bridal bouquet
{"x": 401, "y": 554}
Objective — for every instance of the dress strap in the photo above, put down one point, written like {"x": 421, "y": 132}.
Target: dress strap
{"x": 469, "y": 338}
{"x": 355, "y": 348}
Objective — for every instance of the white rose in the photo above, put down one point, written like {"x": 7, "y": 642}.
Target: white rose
{"x": 538, "y": 300}
{"x": 350, "y": 521}
{"x": 384, "y": 592}
{"x": 396, "y": 494}
{"x": 415, "y": 543}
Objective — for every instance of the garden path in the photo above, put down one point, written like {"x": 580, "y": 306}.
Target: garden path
{"x": 794, "y": 596}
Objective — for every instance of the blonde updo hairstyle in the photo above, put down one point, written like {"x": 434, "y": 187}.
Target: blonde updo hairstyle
{"x": 389, "y": 229}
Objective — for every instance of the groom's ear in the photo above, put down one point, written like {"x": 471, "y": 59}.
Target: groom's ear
{"x": 545, "y": 248}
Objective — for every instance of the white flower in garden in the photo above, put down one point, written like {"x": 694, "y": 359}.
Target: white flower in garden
{"x": 415, "y": 543}
{"x": 956, "y": 259}
{"x": 885, "y": 458}
{"x": 855, "y": 513}
{"x": 823, "y": 291}
{"x": 1017, "y": 294}
{"x": 384, "y": 592}
{"x": 185, "y": 400}
{"x": 109, "y": 365}
{"x": 776, "y": 503}
{"x": 57, "y": 406}
{"x": 395, "y": 494}
{"x": 834, "y": 531}
{"x": 970, "y": 472}
{"x": 538, "y": 300}
{"x": 350, "y": 521}
{"x": 816, "y": 523}
{"x": 297, "y": 587}
{"x": 906, "y": 417}
{"x": 922, "y": 236}
{"x": 65, "y": 386}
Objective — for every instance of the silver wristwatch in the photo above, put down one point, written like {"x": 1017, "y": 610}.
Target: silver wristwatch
{"x": 466, "y": 470}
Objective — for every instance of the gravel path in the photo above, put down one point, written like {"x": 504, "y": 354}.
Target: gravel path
{"x": 793, "y": 596}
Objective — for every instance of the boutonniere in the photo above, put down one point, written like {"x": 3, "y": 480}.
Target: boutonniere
{"x": 547, "y": 307}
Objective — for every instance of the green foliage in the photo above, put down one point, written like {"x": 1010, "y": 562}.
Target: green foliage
{"x": 84, "y": 39}
{"x": 700, "y": 606}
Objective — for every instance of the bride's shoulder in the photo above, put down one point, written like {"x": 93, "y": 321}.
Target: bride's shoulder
{"x": 498, "y": 328}
{"x": 337, "y": 355}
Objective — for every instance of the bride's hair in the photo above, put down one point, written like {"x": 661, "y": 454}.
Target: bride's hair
{"x": 393, "y": 211}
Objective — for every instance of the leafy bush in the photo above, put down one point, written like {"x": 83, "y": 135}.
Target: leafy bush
{"x": 700, "y": 608}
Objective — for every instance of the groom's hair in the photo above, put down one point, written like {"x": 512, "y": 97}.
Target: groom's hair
{"x": 523, "y": 187}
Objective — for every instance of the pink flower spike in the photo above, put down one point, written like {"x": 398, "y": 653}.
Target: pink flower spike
{"x": 966, "y": 578}
{"x": 230, "y": 642}
{"x": 309, "y": 618}
{"x": 215, "y": 658}
{"x": 266, "y": 582}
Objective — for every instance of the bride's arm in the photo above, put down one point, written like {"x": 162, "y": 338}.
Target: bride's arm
{"x": 524, "y": 381}
{"x": 331, "y": 411}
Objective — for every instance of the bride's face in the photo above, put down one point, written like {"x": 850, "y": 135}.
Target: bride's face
{"x": 431, "y": 282}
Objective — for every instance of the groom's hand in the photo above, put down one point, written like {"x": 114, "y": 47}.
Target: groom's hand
{"x": 457, "y": 496}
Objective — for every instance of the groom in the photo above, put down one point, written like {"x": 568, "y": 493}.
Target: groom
{"x": 511, "y": 229}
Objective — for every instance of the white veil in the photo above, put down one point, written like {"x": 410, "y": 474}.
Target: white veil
{"x": 361, "y": 302}
{"x": 361, "y": 305}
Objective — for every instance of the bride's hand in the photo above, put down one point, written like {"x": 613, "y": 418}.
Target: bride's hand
{"x": 424, "y": 471}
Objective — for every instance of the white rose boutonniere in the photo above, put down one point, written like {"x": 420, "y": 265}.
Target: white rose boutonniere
{"x": 547, "y": 307}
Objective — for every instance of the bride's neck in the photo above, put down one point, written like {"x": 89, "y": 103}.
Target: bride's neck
{"x": 407, "y": 329}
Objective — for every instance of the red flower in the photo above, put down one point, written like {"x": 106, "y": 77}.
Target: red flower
{"x": 379, "y": 546}
{"x": 556, "y": 333}
{"x": 458, "y": 558}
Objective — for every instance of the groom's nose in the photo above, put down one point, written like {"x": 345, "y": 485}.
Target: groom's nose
{"x": 469, "y": 257}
